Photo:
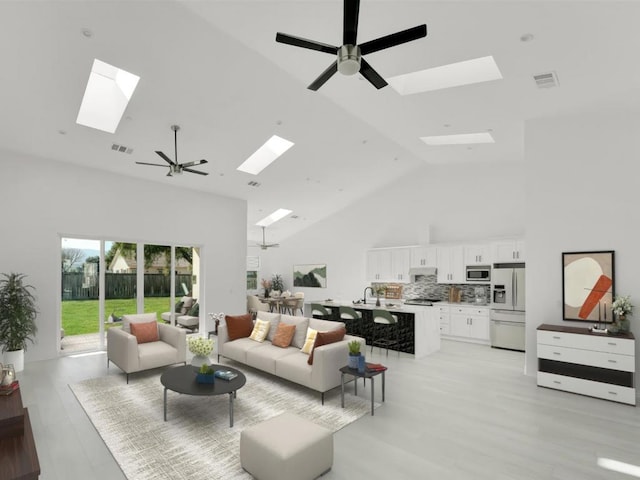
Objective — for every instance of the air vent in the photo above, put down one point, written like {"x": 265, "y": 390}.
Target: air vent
{"x": 253, "y": 184}
{"x": 546, "y": 80}
{"x": 295, "y": 216}
{"x": 121, "y": 148}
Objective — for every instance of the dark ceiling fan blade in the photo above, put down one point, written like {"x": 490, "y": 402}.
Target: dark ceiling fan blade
{"x": 370, "y": 74}
{"x": 350, "y": 24}
{"x": 394, "y": 39}
{"x": 194, "y": 164}
{"x": 324, "y": 76}
{"x": 194, "y": 171}
{"x": 304, "y": 43}
{"x": 167, "y": 159}
{"x": 153, "y": 164}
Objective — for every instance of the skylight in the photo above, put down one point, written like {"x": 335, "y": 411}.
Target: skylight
{"x": 459, "y": 139}
{"x": 274, "y": 217}
{"x": 446, "y": 76}
{"x": 106, "y": 97}
{"x": 265, "y": 155}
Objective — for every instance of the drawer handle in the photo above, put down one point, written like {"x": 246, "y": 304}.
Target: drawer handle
{"x": 557, "y": 382}
{"x": 557, "y": 353}
{"x": 612, "y": 361}
{"x": 556, "y": 338}
{"x": 613, "y": 393}
{"x": 613, "y": 344}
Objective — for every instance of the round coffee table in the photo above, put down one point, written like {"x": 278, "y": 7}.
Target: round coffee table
{"x": 183, "y": 380}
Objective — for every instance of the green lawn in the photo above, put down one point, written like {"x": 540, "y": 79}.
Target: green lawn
{"x": 81, "y": 316}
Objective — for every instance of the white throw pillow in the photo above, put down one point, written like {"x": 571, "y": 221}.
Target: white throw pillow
{"x": 260, "y": 330}
{"x": 309, "y": 341}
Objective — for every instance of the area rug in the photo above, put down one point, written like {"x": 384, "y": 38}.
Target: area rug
{"x": 196, "y": 441}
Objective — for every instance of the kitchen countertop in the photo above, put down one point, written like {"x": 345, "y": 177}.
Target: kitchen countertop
{"x": 398, "y": 306}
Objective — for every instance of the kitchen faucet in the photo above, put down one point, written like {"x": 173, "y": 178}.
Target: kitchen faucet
{"x": 364, "y": 300}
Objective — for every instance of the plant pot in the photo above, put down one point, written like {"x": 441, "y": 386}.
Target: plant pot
{"x": 199, "y": 360}
{"x": 205, "y": 378}
{"x": 353, "y": 360}
{"x": 623, "y": 324}
{"x": 17, "y": 358}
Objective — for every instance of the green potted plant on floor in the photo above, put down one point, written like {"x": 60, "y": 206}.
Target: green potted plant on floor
{"x": 17, "y": 318}
{"x": 354, "y": 353}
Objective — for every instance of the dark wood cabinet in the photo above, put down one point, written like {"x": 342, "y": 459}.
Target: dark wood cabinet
{"x": 18, "y": 455}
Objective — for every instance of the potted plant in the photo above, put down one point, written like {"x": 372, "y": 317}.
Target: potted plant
{"x": 17, "y": 318}
{"x": 277, "y": 283}
{"x": 354, "y": 353}
{"x": 622, "y": 308}
{"x": 205, "y": 374}
{"x": 201, "y": 348}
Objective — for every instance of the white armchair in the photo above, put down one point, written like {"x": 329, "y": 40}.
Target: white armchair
{"x": 130, "y": 356}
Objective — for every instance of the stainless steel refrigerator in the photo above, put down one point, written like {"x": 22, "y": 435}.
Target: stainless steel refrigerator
{"x": 508, "y": 306}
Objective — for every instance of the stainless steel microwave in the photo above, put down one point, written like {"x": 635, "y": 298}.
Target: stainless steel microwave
{"x": 479, "y": 273}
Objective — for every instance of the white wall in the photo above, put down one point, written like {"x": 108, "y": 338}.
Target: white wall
{"x": 582, "y": 195}
{"x": 447, "y": 204}
{"x": 42, "y": 200}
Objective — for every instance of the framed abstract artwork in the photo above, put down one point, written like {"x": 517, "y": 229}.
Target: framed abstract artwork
{"x": 314, "y": 275}
{"x": 588, "y": 286}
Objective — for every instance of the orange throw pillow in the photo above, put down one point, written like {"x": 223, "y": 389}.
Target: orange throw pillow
{"x": 284, "y": 335}
{"x": 145, "y": 332}
{"x": 239, "y": 326}
{"x": 325, "y": 338}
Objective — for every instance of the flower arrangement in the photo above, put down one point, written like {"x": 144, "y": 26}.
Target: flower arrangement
{"x": 200, "y": 346}
{"x": 621, "y": 306}
{"x": 266, "y": 284}
{"x": 379, "y": 289}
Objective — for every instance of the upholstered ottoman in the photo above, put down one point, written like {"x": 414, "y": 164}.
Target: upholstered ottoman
{"x": 286, "y": 447}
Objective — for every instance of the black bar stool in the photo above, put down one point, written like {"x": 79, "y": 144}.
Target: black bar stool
{"x": 351, "y": 317}
{"x": 319, "y": 311}
{"x": 385, "y": 326}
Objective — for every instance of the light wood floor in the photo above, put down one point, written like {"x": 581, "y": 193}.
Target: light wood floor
{"x": 466, "y": 412}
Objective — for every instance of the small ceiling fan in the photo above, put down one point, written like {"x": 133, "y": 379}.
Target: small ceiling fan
{"x": 264, "y": 245}
{"x": 349, "y": 55}
{"x": 176, "y": 168}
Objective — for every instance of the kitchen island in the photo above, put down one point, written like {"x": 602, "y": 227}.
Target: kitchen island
{"x": 419, "y": 325}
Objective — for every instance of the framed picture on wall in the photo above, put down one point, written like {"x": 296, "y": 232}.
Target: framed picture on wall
{"x": 588, "y": 286}
{"x": 313, "y": 275}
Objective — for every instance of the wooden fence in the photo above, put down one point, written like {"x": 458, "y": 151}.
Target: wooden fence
{"x": 78, "y": 286}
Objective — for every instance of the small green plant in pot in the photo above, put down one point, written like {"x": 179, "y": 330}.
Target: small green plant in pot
{"x": 354, "y": 353}
{"x": 17, "y": 318}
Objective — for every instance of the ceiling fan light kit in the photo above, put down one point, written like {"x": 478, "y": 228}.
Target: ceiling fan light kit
{"x": 349, "y": 59}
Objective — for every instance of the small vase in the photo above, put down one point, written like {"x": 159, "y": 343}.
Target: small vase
{"x": 199, "y": 360}
{"x": 624, "y": 324}
{"x": 353, "y": 360}
{"x": 377, "y": 301}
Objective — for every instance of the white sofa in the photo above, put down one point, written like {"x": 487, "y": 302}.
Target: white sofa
{"x": 290, "y": 363}
{"x": 124, "y": 350}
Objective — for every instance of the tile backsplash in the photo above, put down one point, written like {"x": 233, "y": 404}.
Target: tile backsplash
{"x": 428, "y": 287}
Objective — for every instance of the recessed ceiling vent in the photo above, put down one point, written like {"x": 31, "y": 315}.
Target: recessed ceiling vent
{"x": 546, "y": 80}
{"x": 253, "y": 184}
{"x": 121, "y": 148}
{"x": 294, "y": 216}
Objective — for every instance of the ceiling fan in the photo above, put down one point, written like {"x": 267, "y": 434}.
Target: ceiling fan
{"x": 349, "y": 56}
{"x": 176, "y": 168}
{"x": 264, "y": 245}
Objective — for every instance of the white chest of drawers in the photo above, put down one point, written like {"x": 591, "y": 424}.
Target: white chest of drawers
{"x": 575, "y": 360}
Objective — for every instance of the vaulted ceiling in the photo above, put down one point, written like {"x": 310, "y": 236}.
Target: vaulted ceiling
{"x": 214, "y": 68}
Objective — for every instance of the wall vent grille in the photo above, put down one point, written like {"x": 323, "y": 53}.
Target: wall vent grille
{"x": 253, "y": 183}
{"x": 121, "y": 148}
{"x": 546, "y": 80}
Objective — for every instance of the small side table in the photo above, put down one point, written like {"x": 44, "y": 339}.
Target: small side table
{"x": 356, "y": 374}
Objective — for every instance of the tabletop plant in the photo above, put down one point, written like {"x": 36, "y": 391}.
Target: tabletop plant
{"x": 277, "y": 283}
{"x": 354, "y": 347}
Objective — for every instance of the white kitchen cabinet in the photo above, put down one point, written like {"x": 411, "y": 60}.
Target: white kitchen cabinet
{"x": 444, "y": 319}
{"x": 450, "y": 264}
{"x": 477, "y": 254}
{"x": 470, "y": 323}
{"x": 506, "y": 251}
{"x": 400, "y": 264}
{"x": 379, "y": 265}
{"x": 424, "y": 257}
